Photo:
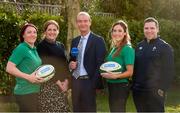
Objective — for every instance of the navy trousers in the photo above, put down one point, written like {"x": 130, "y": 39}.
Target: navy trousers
{"x": 83, "y": 95}
{"x": 148, "y": 101}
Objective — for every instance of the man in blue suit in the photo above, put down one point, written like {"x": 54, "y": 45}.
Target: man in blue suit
{"x": 85, "y": 75}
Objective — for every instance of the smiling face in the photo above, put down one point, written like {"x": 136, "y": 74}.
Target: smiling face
{"x": 118, "y": 33}
{"x": 151, "y": 30}
{"x": 30, "y": 35}
{"x": 83, "y": 23}
{"x": 51, "y": 32}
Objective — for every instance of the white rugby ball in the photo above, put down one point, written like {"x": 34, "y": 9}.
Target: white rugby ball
{"x": 45, "y": 71}
{"x": 110, "y": 66}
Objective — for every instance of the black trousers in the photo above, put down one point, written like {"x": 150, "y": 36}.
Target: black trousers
{"x": 28, "y": 102}
{"x": 118, "y": 95}
{"x": 149, "y": 101}
{"x": 83, "y": 95}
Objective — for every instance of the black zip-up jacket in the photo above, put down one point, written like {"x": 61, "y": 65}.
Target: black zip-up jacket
{"x": 154, "y": 65}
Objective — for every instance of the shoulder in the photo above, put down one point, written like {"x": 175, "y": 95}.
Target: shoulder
{"x": 41, "y": 46}
{"x": 141, "y": 43}
{"x": 162, "y": 43}
{"x": 97, "y": 38}
{"x": 19, "y": 52}
{"x": 42, "y": 43}
{"x": 76, "y": 38}
{"x": 60, "y": 44}
{"x": 21, "y": 47}
{"x": 127, "y": 48}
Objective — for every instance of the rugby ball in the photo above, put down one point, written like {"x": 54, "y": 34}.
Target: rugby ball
{"x": 110, "y": 66}
{"x": 46, "y": 72}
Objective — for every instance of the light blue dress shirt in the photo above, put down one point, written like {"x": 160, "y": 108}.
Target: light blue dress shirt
{"x": 82, "y": 69}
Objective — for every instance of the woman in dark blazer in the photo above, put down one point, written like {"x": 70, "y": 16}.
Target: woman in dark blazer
{"x": 52, "y": 96}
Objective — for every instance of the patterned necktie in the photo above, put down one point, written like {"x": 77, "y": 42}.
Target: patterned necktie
{"x": 76, "y": 72}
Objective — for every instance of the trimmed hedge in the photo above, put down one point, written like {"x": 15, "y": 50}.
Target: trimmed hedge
{"x": 169, "y": 31}
{"x": 10, "y": 25}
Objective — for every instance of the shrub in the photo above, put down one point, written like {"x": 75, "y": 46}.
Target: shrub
{"x": 10, "y": 24}
{"x": 169, "y": 31}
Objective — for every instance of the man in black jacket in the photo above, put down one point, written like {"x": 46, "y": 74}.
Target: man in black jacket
{"x": 86, "y": 76}
{"x": 153, "y": 71}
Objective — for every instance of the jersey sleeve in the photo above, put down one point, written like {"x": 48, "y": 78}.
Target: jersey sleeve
{"x": 167, "y": 67}
{"x": 128, "y": 55}
{"x": 17, "y": 55}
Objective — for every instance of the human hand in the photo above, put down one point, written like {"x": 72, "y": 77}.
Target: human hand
{"x": 73, "y": 65}
{"x": 63, "y": 85}
{"x": 109, "y": 75}
{"x": 59, "y": 83}
{"x": 34, "y": 79}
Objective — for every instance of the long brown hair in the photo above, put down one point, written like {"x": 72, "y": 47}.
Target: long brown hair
{"x": 126, "y": 38}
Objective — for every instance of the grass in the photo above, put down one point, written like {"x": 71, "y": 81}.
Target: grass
{"x": 172, "y": 103}
{"x": 8, "y": 107}
{"x": 173, "y": 100}
{"x": 102, "y": 103}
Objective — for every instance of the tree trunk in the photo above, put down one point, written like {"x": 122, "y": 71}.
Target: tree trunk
{"x": 72, "y": 8}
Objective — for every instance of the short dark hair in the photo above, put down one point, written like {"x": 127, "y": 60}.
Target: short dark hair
{"x": 151, "y": 19}
{"x": 24, "y": 27}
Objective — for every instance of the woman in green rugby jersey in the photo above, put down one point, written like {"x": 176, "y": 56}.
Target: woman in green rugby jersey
{"x": 22, "y": 64}
{"x": 123, "y": 54}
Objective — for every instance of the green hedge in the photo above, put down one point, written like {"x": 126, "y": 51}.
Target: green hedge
{"x": 10, "y": 24}
{"x": 169, "y": 31}
{"x": 102, "y": 25}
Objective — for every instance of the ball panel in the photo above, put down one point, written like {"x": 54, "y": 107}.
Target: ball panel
{"x": 110, "y": 66}
{"x": 48, "y": 77}
{"x": 46, "y": 72}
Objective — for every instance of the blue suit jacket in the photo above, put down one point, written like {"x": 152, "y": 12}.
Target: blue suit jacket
{"x": 94, "y": 55}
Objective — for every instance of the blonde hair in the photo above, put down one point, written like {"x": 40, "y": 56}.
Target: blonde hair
{"x": 84, "y": 13}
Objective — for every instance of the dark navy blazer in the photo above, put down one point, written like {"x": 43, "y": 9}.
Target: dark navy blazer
{"x": 94, "y": 55}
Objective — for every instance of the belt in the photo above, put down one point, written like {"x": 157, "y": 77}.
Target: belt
{"x": 83, "y": 77}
